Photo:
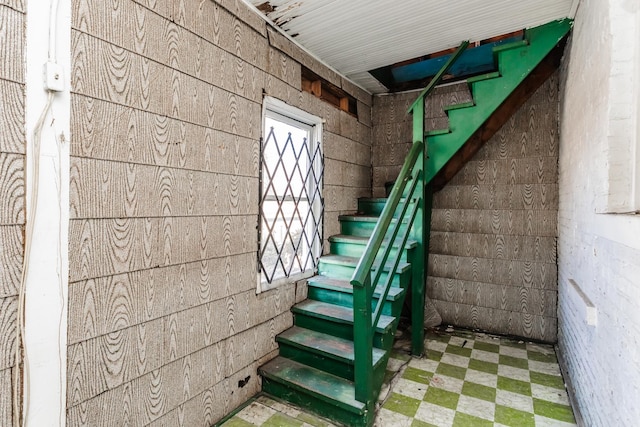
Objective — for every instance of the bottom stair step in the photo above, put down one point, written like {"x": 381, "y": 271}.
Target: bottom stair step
{"x": 313, "y": 389}
{"x": 326, "y": 352}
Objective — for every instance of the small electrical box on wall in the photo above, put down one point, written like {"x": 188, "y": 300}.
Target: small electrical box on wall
{"x": 53, "y": 77}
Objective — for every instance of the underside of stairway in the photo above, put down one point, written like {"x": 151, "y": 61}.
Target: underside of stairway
{"x": 315, "y": 368}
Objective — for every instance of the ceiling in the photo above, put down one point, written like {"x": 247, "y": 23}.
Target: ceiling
{"x": 357, "y": 36}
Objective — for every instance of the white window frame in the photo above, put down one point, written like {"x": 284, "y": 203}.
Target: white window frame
{"x": 287, "y": 112}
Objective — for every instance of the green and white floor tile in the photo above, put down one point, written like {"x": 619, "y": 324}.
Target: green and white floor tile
{"x": 465, "y": 379}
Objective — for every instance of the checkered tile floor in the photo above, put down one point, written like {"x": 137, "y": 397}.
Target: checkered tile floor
{"x": 466, "y": 379}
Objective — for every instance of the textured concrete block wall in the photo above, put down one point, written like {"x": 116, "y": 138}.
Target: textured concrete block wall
{"x": 165, "y": 326}
{"x": 492, "y": 255}
{"x": 600, "y": 252}
{"x": 12, "y": 189}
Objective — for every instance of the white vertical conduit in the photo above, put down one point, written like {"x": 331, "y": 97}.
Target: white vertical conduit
{"x": 21, "y": 355}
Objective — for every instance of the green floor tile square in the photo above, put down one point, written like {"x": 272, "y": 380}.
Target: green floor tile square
{"x": 485, "y": 346}
{"x": 460, "y": 351}
{"x": 481, "y": 365}
{"x": 281, "y": 420}
{"x": 419, "y": 423}
{"x": 401, "y": 404}
{"x": 513, "y": 417}
{"x": 438, "y": 337}
{"x": 479, "y": 391}
{"x": 513, "y": 343}
{"x": 237, "y": 422}
{"x": 311, "y": 420}
{"x": 451, "y": 371}
{"x": 554, "y": 381}
{"x": 541, "y": 357}
{"x": 465, "y": 420}
{"x": 417, "y": 375}
{"x": 441, "y": 397}
{"x": 553, "y": 410}
{"x": 514, "y": 386}
{"x": 516, "y": 362}
{"x": 434, "y": 355}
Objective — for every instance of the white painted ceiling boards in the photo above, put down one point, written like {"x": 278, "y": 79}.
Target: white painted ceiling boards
{"x": 355, "y": 36}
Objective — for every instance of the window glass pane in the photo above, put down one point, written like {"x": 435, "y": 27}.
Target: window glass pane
{"x": 291, "y": 203}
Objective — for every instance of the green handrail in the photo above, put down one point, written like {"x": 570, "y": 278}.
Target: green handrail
{"x": 440, "y": 74}
{"x": 375, "y": 257}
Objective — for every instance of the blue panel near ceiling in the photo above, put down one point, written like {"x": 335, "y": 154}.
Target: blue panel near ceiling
{"x": 473, "y": 61}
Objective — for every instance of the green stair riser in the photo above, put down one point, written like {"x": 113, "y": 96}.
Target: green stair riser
{"x": 515, "y": 64}
{"x": 342, "y": 330}
{"x": 360, "y": 228}
{"x": 390, "y": 308}
{"x": 315, "y": 405}
{"x": 345, "y": 272}
{"x": 371, "y": 206}
{"x": 339, "y": 368}
{"x": 357, "y": 249}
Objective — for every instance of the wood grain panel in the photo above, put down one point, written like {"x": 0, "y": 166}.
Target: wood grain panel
{"x": 12, "y": 24}
{"x": 106, "y": 362}
{"x": 131, "y": 80}
{"x": 391, "y": 133}
{"x": 215, "y": 24}
{"x": 165, "y": 42}
{"x": 154, "y": 293}
{"x": 502, "y": 196}
{"x": 12, "y": 189}
{"x": 510, "y": 298}
{"x": 8, "y": 331}
{"x": 498, "y": 321}
{"x": 390, "y": 154}
{"x": 12, "y": 125}
{"x": 526, "y": 274}
{"x": 508, "y": 222}
{"x": 11, "y": 250}
{"x": 505, "y": 247}
{"x": 284, "y": 68}
{"x": 101, "y": 247}
{"x": 517, "y": 143}
{"x": 6, "y": 403}
{"x": 102, "y": 189}
{"x": 540, "y": 170}
{"x": 17, "y": 5}
{"x": 112, "y": 132}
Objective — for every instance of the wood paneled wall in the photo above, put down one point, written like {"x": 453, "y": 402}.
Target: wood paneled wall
{"x": 12, "y": 189}
{"x": 165, "y": 326}
{"x": 492, "y": 261}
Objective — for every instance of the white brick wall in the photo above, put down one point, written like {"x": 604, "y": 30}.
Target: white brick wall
{"x": 601, "y": 252}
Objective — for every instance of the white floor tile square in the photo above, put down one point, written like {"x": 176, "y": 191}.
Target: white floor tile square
{"x": 446, "y": 383}
{"x": 513, "y": 373}
{"x": 485, "y": 356}
{"x": 476, "y": 407}
{"x": 434, "y": 414}
{"x": 514, "y": 400}
{"x": 513, "y": 351}
{"x": 483, "y": 378}
{"x": 454, "y": 359}
{"x": 410, "y": 388}
{"x": 550, "y": 394}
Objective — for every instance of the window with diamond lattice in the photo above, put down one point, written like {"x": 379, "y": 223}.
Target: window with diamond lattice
{"x": 291, "y": 206}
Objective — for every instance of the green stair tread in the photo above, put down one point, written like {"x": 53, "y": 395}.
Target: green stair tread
{"x": 437, "y": 132}
{"x": 322, "y": 385}
{"x": 350, "y": 261}
{"x": 361, "y": 240}
{"x": 346, "y": 287}
{"x": 487, "y": 76}
{"x": 324, "y": 344}
{"x": 372, "y": 199}
{"x": 337, "y": 313}
{"x": 508, "y": 46}
{"x": 458, "y": 106}
{"x": 358, "y": 217}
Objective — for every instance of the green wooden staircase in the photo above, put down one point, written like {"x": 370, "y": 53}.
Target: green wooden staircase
{"x": 332, "y": 361}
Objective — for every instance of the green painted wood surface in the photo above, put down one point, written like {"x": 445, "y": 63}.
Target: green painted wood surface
{"x": 515, "y": 63}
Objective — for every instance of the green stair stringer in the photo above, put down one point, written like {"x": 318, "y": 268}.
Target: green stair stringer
{"x": 514, "y": 65}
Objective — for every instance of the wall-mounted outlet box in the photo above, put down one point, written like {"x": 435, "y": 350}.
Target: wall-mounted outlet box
{"x": 53, "y": 77}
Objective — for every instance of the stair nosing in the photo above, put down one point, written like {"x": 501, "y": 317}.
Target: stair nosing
{"x": 349, "y": 261}
{"x": 280, "y": 338}
{"x": 359, "y": 410}
{"x": 300, "y": 309}
{"x": 411, "y": 243}
{"x": 317, "y": 282}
